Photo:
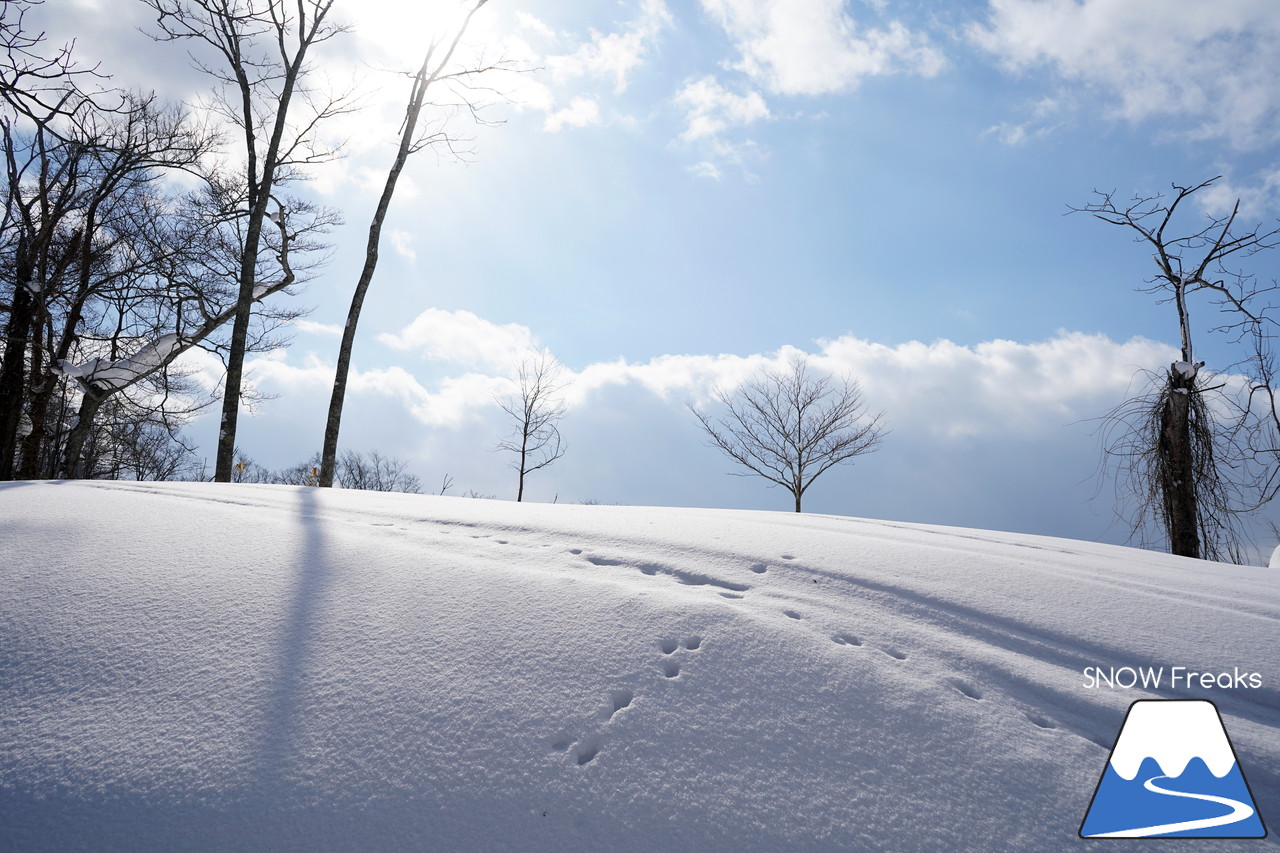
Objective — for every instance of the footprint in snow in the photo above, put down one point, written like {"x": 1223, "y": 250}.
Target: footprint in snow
{"x": 1042, "y": 722}
{"x": 965, "y": 687}
{"x": 896, "y": 654}
{"x": 585, "y": 750}
{"x": 792, "y": 614}
{"x": 759, "y": 568}
{"x": 669, "y": 665}
{"x": 846, "y": 640}
{"x": 618, "y": 699}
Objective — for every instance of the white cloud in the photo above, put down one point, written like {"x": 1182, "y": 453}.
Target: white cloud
{"x": 462, "y": 337}
{"x": 710, "y": 109}
{"x": 402, "y": 243}
{"x": 313, "y": 328}
{"x": 534, "y": 25}
{"x": 705, "y": 169}
{"x": 1207, "y": 67}
{"x": 580, "y": 113}
{"x": 615, "y": 55}
{"x": 1256, "y": 197}
{"x": 813, "y": 47}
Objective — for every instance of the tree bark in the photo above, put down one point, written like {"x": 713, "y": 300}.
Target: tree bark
{"x": 72, "y": 466}
{"x": 1179, "y": 480}
{"x": 425, "y": 77}
{"x": 13, "y": 368}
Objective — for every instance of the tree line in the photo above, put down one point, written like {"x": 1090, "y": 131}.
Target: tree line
{"x": 134, "y": 231}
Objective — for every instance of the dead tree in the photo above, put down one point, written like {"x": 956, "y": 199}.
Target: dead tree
{"x": 537, "y": 410}
{"x": 1184, "y": 462}
{"x": 261, "y": 50}
{"x": 790, "y": 427}
{"x": 435, "y": 69}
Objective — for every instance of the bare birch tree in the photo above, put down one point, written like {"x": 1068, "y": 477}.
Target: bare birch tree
{"x": 1179, "y": 451}
{"x": 536, "y": 409}
{"x": 261, "y": 50}
{"x": 790, "y": 427}
{"x": 436, "y": 68}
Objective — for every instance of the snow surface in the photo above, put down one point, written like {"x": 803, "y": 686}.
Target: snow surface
{"x": 1172, "y": 733}
{"x": 219, "y": 667}
{"x": 108, "y": 374}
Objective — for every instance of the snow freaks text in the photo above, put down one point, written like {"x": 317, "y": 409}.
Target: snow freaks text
{"x": 1174, "y": 677}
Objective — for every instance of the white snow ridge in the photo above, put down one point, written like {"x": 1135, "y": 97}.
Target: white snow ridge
{"x": 1172, "y": 733}
{"x": 214, "y": 667}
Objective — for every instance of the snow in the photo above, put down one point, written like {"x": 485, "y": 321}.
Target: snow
{"x": 235, "y": 667}
{"x": 1172, "y": 734}
{"x": 1185, "y": 369}
{"x": 260, "y": 290}
{"x": 107, "y": 374}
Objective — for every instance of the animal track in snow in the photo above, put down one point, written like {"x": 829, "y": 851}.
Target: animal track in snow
{"x": 792, "y": 614}
{"x": 585, "y": 750}
{"x": 1042, "y": 722}
{"x": 846, "y": 640}
{"x": 896, "y": 654}
{"x": 965, "y": 687}
{"x": 680, "y": 575}
{"x": 787, "y": 556}
{"x": 575, "y": 551}
{"x": 669, "y": 665}
{"x": 618, "y": 699}
{"x": 758, "y": 568}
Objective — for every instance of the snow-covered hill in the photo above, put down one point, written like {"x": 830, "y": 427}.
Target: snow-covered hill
{"x": 212, "y": 667}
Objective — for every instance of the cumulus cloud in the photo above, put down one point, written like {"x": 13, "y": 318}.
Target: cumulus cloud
{"x": 461, "y": 337}
{"x": 615, "y": 55}
{"x": 313, "y": 328}
{"x": 1256, "y": 197}
{"x": 943, "y": 388}
{"x": 710, "y": 108}
{"x": 711, "y": 111}
{"x": 1209, "y": 68}
{"x": 814, "y": 47}
{"x": 402, "y": 244}
{"x": 581, "y": 112}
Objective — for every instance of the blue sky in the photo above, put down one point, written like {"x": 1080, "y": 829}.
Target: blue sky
{"x": 681, "y": 193}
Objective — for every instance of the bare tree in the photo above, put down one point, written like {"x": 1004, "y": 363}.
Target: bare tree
{"x": 435, "y": 69}
{"x": 790, "y": 427}
{"x": 261, "y": 49}
{"x": 537, "y": 410}
{"x": 1179, "y": 450}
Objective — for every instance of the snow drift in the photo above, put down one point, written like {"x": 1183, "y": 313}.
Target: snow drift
{"x": 213, "y": 667}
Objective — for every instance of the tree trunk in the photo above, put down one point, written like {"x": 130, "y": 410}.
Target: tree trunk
{"x": 1179, "y": 478}
{"x": 797, "y": 494}
{"x": 13, "y": 368}
{"x": 72, "y": 467}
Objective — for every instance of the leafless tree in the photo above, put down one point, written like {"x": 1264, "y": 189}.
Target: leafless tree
{"x": 536, "y": 409}
{"x": 84, "y": 233}
{"x": 260, "y": 51}
{"x": 436, "y": 70}
{"x": 790, "y": 426}
{"x": 43, "y": 85}
{"x": 1185, "y": 449}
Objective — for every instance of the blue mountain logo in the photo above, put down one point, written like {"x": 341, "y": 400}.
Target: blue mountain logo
{"x": 1172, "y": 774}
